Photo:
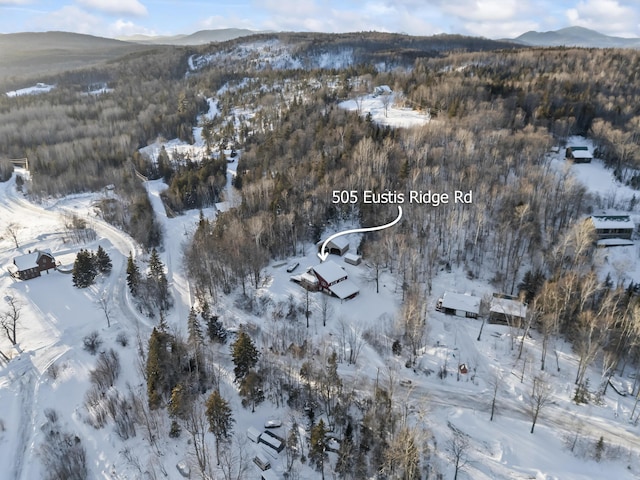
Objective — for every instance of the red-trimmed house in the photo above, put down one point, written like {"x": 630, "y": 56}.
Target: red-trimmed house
{"x": 332, "y": 279}
{"x": 33, "y": 263}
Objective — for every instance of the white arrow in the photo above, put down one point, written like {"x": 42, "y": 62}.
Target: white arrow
{"x": 323, "y": 255}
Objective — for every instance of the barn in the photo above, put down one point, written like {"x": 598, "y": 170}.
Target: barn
{"x": 33, "y": 263}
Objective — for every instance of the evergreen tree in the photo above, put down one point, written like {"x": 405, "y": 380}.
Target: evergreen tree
{"x": 154, "y": 368}
{"x": 251, "y": 390}
{"x": 180, "y": 402}
{"x": 346, "y": 461}
{"x": 103, "y": 261}
{"x": 157, "y": 282}
{"x": 162, "y": 324}
{"x": 215, "y": 330}
{"x": 194, "y": 330}
{"x": 245, "y": 355}
{"x": 195, "y": 341}
{"x": 84, "y": 271}
{"x": 292, "y": 445}
{"x": 133, "y": 275}
{"x": 599, "y": 449}
{"x": 318, "y": 446}
{"x": 220, "y": 419}
{"x": 531, "y": 284}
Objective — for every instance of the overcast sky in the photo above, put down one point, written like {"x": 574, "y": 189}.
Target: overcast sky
{"x": 488, "y": 18}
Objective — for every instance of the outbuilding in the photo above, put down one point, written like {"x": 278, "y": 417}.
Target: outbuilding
{"x": 353, "y": 259}
{"x": 336, "y": 246}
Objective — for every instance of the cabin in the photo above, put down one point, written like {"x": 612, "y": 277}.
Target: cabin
{"x": 332, "y": 279}
{"x": 612, "y": 229}
{"x": 34, "y": 263}
{"x": 507, "y": 310}
{"x": 579, "y": 154}
{"x": 462, "y": 305}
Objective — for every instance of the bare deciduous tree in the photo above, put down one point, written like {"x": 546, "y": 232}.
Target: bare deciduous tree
{"x": 458, "y": 448}
{"x": 234, "y": 460}
{"x": 495, "y": 381}
{"x": 539, "y": 397}
{"x": 12, "y": 230}
{"x": 10, "y": 319}
{"x": 106, "y": 306}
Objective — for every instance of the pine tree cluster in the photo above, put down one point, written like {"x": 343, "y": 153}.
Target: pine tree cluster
{"x": 87, "y": 266}
{"x": 151, "y": 290}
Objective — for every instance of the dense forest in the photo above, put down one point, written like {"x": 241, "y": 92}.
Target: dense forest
{"x": 495, "y": 114}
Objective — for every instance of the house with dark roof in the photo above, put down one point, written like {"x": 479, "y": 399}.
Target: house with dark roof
{"x": 33, "y": 263}
{"x": 579, "y": 154}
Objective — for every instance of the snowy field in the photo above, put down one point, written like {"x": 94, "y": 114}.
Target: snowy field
{"x": 383, "y": 110}
{"x": 50, "y": 369}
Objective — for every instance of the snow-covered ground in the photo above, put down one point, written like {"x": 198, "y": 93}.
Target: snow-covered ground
{"x": 34, "y": 90}
{"x": 50, "y": 369}
{"x": 383, "y": 110}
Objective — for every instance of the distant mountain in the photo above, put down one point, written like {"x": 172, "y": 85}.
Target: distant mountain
{"x": 33, "y": 53}
{"x": 201, "y": 37}
{"x": 575, "y": 37}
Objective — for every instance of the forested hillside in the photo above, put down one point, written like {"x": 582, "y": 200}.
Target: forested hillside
{"x": 274, "y": 104}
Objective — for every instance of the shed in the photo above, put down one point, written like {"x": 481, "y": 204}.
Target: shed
{"x": 353, "y": 259}
{"x": 462, "y": 305}
{"x": 507, "y": 310}
{"x": 262, "y": 461}
{"x": 253, "y": 434}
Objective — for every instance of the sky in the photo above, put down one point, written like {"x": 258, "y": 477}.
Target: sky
{"x": 487, "y": 18}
